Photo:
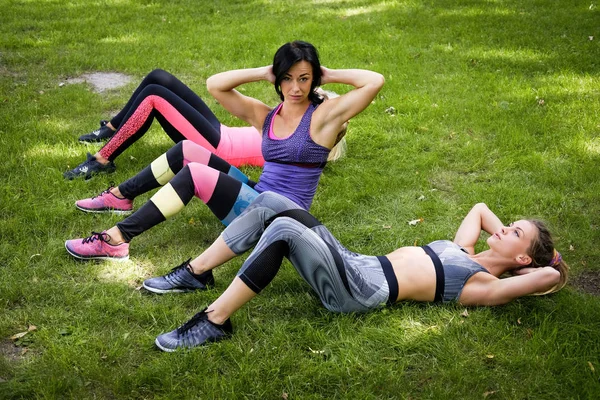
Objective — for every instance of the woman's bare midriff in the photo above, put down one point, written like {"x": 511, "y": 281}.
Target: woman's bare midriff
{"x": 415, "y": 273}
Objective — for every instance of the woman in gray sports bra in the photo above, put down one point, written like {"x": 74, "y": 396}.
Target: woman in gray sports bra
{"x": 346, "y": 281}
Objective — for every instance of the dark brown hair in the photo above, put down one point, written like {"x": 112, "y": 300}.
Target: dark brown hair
{"x": 292, "y": 53}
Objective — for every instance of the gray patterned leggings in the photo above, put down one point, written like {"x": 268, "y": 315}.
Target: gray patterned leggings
{"x": 344, "y": 281}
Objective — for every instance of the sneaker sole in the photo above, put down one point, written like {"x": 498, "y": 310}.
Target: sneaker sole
{"x": 163, "y": 291}
{"x": 86, "y": 258}
{"x": 103, "y": 210}
{"x": 87, "y": 177}
{"x": 90, "y": 142}
{"x": 157, "y": 343}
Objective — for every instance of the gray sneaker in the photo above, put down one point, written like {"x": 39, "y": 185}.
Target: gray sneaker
{"x": 197, "y": 331}
{"x": 180, "y": 279}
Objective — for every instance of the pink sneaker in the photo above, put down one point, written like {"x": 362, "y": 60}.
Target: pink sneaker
{"x": 96, "y": 247}
{"x": 105, "y": 202}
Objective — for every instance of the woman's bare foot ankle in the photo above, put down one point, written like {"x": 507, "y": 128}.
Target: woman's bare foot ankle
{"x": 115, "y": 236}
{"x": 215, "y": 316}
{"x": 101, "y": 159}
{"x": 197, "y": 267}
{"x": 116, "y": 192}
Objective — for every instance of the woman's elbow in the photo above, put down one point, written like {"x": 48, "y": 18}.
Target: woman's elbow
{"x": 378, "y": 80}
{"x": 480, "y": 205}
{"x": 210, "y": 84}
{"x": 551, "y": 277}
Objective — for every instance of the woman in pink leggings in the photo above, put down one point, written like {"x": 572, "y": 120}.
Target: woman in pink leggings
{"x": 181, "y": 113}
{"x": 297, "y": 137}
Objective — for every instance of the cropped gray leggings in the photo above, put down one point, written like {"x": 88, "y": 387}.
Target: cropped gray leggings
{"x": 344, "y": 281}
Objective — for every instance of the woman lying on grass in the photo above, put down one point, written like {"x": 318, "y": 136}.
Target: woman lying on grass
{"x": 347, "y": 282}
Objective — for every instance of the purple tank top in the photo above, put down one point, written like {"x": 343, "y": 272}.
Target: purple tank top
{"x": 293, "y": 165}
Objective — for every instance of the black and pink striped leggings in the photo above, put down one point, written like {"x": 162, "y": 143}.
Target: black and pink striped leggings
{"x": 183, "y": 115}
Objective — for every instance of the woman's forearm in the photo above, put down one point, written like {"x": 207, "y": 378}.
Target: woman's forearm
{"x": 355, "y": 77}
{"x": 229, "y": 80}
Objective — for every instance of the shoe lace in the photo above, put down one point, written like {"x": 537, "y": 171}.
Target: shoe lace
{"x": 111, "y": 185}
{"x": 177, "y": 268}
{"x": 101, "y": 236}
{"x": 202, "y": 315}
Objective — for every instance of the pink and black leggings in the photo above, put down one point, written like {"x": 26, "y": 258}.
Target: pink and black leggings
{"x": 180, "y": 112}
{"x": 186, "y": 170}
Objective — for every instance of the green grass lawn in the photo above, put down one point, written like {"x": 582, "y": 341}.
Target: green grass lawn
{"x": 485, "y": 101}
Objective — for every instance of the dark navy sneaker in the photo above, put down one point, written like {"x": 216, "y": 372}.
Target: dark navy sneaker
{"x": 89, "y": 168}
{"x": 180, "y": 279}
{"x": 100, "y": 134}
{"x": 197, "y": 331}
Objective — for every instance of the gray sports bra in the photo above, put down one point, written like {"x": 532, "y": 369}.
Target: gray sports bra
{"x": 453, "y": 267}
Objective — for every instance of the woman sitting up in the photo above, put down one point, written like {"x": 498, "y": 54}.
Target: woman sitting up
{"x": 297, "y": 137}
{"x": 441, "y": 271}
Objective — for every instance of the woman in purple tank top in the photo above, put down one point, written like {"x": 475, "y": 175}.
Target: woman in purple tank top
{"x": 297, "y": 137}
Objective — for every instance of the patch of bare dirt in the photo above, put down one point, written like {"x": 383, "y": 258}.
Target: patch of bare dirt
{"x": 587, "y": 282}
{"x": 101, "y": 81}
{"x": 10, "y": 352}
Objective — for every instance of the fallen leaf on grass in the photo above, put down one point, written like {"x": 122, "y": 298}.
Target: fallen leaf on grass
{"x": 489, "y": 393}
{"x": 284, "y": 396}
{"x": 316, "y": 351}
{"x": 19, "y": 335}
{"x": 415, "y": 221}
{"x": 387, "y": 227}
{"x": 465, "y": 314}
{"x": 529, "y": 333}
{"x": 519, "y": 321}
{"x": 489, "y": 356}
{"x": 571, "y": 248}
{"x": 592, "y": 366}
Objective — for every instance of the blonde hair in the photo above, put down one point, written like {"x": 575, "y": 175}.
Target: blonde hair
{"x": 543, "y": 254}
{"x": 340, "y": 147}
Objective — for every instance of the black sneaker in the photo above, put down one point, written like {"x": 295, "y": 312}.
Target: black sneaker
{"x": 89, "y": 168}
{"x": 197, "y": 331}
{"x": 100, "y": 134}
